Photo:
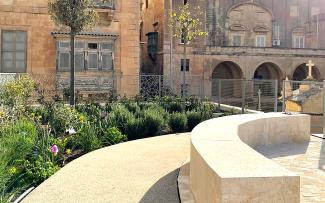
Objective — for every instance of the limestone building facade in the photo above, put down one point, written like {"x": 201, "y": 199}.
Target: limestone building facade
{"x": 31, "y": 43}
{"x": 247, "y": 39}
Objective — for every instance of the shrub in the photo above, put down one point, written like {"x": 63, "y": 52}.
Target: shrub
{"x": 86, "y": 138}
{"x": 153, "y": 121}
{"x": 18, "y": 140}
{"x": 119, "y": 117}
{"x": 207, "y": 111}
{"x": 176, "y": 106}
{"x": 192, "y": 103}
{"x": 135, "y": 128}
{"x": 17, "y": 92}
{"x": 37, "y": 169}
{"x": 193, "y": 119}
{"x": 177, "y": 122}
{"x": 132, "y": 107}
{"x": 63, "y": 118}
{"x": 112, "y": 136}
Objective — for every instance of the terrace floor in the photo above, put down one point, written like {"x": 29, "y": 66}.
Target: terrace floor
{"x": 307, "y": 161}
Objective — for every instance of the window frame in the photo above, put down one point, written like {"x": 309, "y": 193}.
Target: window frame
{"x": 258, "y": 41}
{"x": 187, "y": 65}
{"x": 14, "y": 50}
{"x": 233, "y": 41}
{"x": 86, "y": 51}
{"x": 301, "y": 44}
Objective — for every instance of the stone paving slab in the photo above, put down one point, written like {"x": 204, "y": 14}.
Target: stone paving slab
{"x": 306, "y": 160}
{"x": 139, "y": 171}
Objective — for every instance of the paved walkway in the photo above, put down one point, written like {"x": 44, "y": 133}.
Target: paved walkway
{"x": 307, "y": 161}
{"x": 139, "y": 171}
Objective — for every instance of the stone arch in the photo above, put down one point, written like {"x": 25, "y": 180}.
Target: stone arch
{"x": 268, "y": 71}
{"x": 229, "y": 73}
{"x": 227, "y": 70}
{"x": 249, "y": 3}
{"x": 243, "y": 30}
{"x": 301, "y": 73}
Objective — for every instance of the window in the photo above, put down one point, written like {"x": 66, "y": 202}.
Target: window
{"x": 298, "y": 41}
{"x": 315, "y": 11}
{"x": 88, "y": 55}
{"x": 276, "y": 32}
{"x": 13, "y": 51}
{"x": 294, "y": 11}
{"x": 236, "y": 40}
{"x": 187, "y": 65}
{"x": 260, "y": 41}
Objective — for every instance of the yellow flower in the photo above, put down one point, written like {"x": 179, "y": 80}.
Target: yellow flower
{"x": 13, "y": 170}
{"x": 82, "y": 118}
{"x": 2, "y": 114}
{"x": 68, "y": 151}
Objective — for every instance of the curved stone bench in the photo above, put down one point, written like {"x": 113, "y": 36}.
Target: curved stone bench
{"x": 224, "y": 166}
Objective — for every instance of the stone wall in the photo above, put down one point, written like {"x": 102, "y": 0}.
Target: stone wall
{"x": 32, "y": 16}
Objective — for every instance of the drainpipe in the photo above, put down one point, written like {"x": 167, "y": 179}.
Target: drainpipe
{"x": 171, "y": 47}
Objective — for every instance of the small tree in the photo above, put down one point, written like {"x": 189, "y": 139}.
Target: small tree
{"x": 186, "y": 25}
{"x": 76, "y": 16}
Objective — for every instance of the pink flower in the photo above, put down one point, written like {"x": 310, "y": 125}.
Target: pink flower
{"x": 54, "y": 150}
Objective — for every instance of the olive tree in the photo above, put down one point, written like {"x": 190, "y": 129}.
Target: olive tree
{"x": 74, "y": 16}
{"x": 186, "y": 25}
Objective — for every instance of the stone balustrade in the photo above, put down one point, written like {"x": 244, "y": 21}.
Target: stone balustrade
{"x": 224, "y": 166}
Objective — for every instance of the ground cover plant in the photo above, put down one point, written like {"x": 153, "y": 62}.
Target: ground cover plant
{"x": 37, "y": 139}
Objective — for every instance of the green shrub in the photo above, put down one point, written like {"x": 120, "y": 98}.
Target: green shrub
{"x": 119, "y": 117}
{"x": 153, "y": 121}
{"x": 86, "y": 138}
{"x": 132, "y": 107}
{"x": 18, "y": 140}
{"x": 112, "y": 136}
{"x": 176, "y": 106}
{"x": 192, "y": 103}
{"x": 207, "y": 111}
{"x": 193, "y": 119}
{"x": 63, "y": 118}
{"x": 177, "y": 122}
{"x": 17, "y": 92}
{"x": 135, "y": 128}
{"x": 37, "y": 169}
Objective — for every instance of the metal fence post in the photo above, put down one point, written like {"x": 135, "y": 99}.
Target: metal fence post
{"x": 219, "y": 94}
{"x": 284, "y": 96}
{"x": 323, "y": 108}
{"x": 276, "y": 96}
{"x": 243, "y": 96}
{"x": 159, "y": 83}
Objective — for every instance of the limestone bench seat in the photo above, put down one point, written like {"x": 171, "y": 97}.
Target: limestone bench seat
{"x": 224, "y": 166}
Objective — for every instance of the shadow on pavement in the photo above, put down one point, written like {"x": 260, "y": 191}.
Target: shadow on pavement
{"x": 164, "y": 190}
{"x": 282, "y": 150}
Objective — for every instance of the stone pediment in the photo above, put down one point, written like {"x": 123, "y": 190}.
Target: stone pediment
{"x": 237, "y": 27}
{"x": 261, "y": 28}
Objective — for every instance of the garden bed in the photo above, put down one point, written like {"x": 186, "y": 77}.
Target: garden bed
{"x": 36, "y": 141}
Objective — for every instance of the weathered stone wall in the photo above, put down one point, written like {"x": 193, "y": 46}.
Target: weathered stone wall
{"x": 32, "y": 16}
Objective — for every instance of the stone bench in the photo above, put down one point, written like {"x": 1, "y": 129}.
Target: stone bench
{"x": 224, "y": 166}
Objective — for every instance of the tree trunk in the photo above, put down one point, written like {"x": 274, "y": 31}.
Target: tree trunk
{"x": 72, "y": 70}
{"x": 184, "y": 69}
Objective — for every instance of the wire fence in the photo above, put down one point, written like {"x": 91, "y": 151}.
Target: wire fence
{"x": 248, "y": 94}
{"x": 261, "y": 95}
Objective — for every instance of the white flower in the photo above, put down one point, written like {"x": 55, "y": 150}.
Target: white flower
{"x": 71, "y": 131}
